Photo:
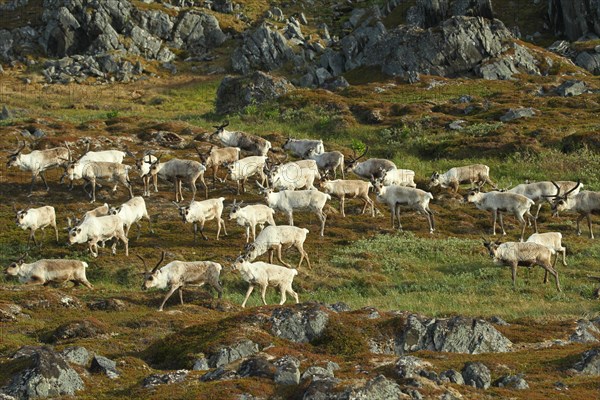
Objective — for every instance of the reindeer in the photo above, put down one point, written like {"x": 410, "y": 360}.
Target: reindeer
{"x": 584, "y": 203}
{"x": 371, "y": 168}
{"x": 216, "y": 157}
{"x": 177, "y": 274}
{"x": 328, "y": 161}
{"x": 252, "y": 144}
{"x": 541, "y": 192}
{"x": 475, "y": 174}
{"x": 38, "y": 162}
{"x": 176, "y": 171}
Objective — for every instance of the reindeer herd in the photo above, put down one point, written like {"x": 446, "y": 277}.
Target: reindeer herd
{"x": 287, "y": 187}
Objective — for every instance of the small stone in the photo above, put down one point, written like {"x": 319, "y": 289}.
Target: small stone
{"x": 76, "y": 355}
{"x": 476, "y": 374}
{"x": 104, "y": 365}
{"x": 287, "y": 371}
{"x": 452, "y": 376}
{"x": 5, "y": 113}
{"x": 517, "y": 113}
{"x": 201, "y": 364}
{"x": 512, "y": 382}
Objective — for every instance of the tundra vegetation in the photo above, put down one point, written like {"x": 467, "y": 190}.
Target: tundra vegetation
{"x": 360, "y": 260}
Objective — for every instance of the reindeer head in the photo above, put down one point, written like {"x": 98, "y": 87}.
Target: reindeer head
{"x": 353, "y": 162}
{"x": 151, "y": 276}
{"x": 235, "y": 207}
{"x": 491, "y": 246}
{"x": 434, "y": 180}
{"x": 14, "y": 268}
{"x": 473, "y": 195}
{"x": 219, "y": 128}
{"x": 561, "y": 203}
{"x": 14, "y": 158}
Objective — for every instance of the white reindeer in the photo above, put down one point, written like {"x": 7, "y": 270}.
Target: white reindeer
{"x": 277, "y": 238}
{"x": 395, "y": 196}
{"x": 355, "y": 189}
{"x": 37, "y": 218}
{"x": 252, "y": 144}
{"x": 301, "y": 147}
{"x": 177, "y": 274}
{"x": 38, "y": 162}
{"x": 474, "y": 174}
{"x": 541, "y": 192}
{"x": 328, "y": 161}
{"x": 45, "y": 271}
{"x": 250, "y": 216}
{"x": 523, "y": 253}
{"x": 99, "y": 229}
{"x": 287, "y": 201}
{"x": 583, "y": 203}
{"x": 499, "y": 202}
{"x": 131, "y": 213}
{"x": 553, "y": 241}
{"x": 263, "y": 274}
{"x": 239, "y": 171}
{"x": 202, "y": 211}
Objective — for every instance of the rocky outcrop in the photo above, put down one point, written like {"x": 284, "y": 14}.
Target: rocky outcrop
{"x": 44, "y": 373}
{"x": 198, "y": 33}
{"x": 262, "y": 49}
{"x": 236, "y": 93}
{"x": 476, "y": 374}
{"x": 516, "y": 382}
{"x": 301, "y": 323}
{"x": 455, "y": 335}
{"x": 429, "y": 13}
{"x": 228, "y": 354}
{"x": 589, "y": 363}
{"x": 574, "y": 18}
{"x": 103, "y": 365}
{"x": 459, "y": 46}
{"x": 164, "y": 379}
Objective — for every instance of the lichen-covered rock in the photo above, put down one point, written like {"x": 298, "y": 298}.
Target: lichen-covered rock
{"x": 517, "y": 113}
{"x": 589, "y": 363}
{"x": 198, "y": 33}
{"x": 476, "y": 374}
{"x": 452, "y": 376}
{"x": 76, "y": 355}
{"x": 574, "y": 18}
{"x": 455, "y": 335}
{"x": 287, "y": 371}
{"x": 516, "y": 382}
{"x": 164, "y": 379}
{"x": 105, "y": 366}
{"x": 262, "y": 49}
{"x": 411, "y": 367}
{"x": 77, "y": 329}
{"x": 256, "y": 367}
{"x": 301, "y": 323}
{"x": 378, "y": 388}
{"x": 45, "y": 374}
{"x": 228, "y": 354}
{"x": 428, "y": 13}
{"x": 236, "y": 93}
{"x": 572, "y": 88}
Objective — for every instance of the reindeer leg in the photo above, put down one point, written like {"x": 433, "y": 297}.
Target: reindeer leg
{"x": 398, "y": 217}
{"x": 202, "y": 230}
{"x": 181, "y": 294}
{"x": 171, "y": 291}
{"x": 195, "y": 230}
{"x": 250, "y": 289}
{"x": 271, "y": 251}
{"x": 589, "y": 219}
{"x": 280, "y": 259}
{"x": 263, "y": 292}
{"x": 224, "y": 229}
{"x": 579, "y": 218}
{"x": 514, "y": 274}
{"x": 494, "y": 217}
{"x": 282, "y": 290}
{"x": 33, "y": 176}
{"x": 43, "y": 176}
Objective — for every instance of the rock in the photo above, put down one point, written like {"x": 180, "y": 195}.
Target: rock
{"x": 477, "y": 375}
{"x": 105, "y": 366}
{"x": 589, "y": 61}
{"x": 77, "y": 330}
{"x": 498, "y": 321}
{"x": 516, "y": 382}
{"x": 317, "y": 373}
{"x": 236, "y": 93}
{"x": 301, "y": 323}
{"x": 41, "y": 372}
{"x": 455, "y": 335}
{"x": 589, "y": 363}
{"x": 427, "y": 13}
{"x": 562, "y": 47}
{"x": 156, "y": 22}
{"x": 411, "y": 367}
{"x": 460, "y": 46}
{"x": 277, "y": 14}
{"x": 457, "y": 125}
{"x": 107, "y": 305}
{"x": 6, "y": 114}
{"x": 11, "y": 312}
{"x": 228, "y": 354}
{"x": 169, "y": 139}
{"x": 378, "y": 388}
{"x": 262, "y": 49}
{"x": 76, "y": 355}
{"x": 339, "y": 307}
{"x": 322, "y": 75}
{"x": 452, "y": 376}
{"x": 219, "y": 374}
{"x": 287, "y": 371}
{"x": 165, "y": 379}
{"x": 198, "y": 33}
{"x": 201, "y": 364}
{"x": 292, "y": 30}
{"x": 256, "y": 367}
{"x": 585, "y": 332}
{"x": 321, "y": 389}
{"x": 574, "y": 18}
{"x": 302, "y": 19}
{"x": 571, "y": 88}
{"x": 517, "y": 113}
